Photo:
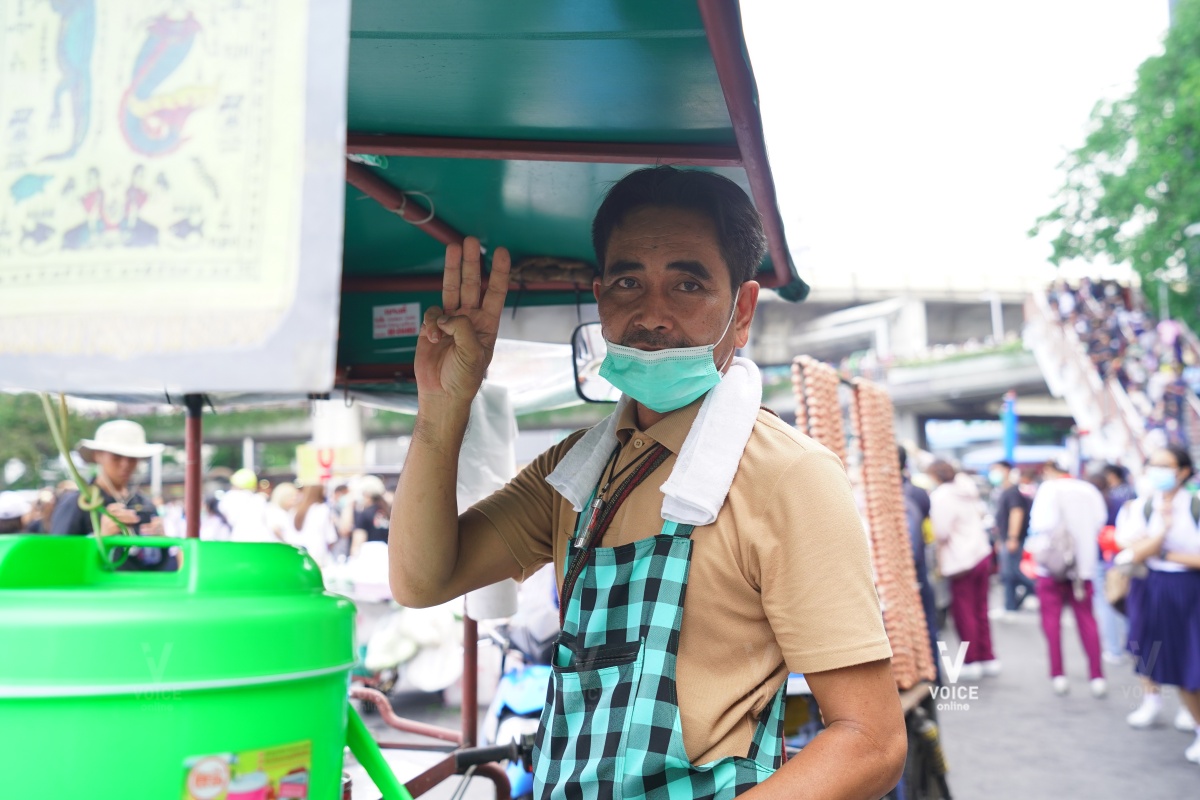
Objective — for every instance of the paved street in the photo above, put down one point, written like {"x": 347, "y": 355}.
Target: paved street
{"x": 1019, "y": 740}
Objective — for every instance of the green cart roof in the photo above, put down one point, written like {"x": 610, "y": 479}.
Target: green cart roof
{"x": 509, "y": 121}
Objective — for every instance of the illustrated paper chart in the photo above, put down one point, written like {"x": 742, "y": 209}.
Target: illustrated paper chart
{"x": 155, "y": 157}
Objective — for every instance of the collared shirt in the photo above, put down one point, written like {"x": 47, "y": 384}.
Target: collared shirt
{"x": 780, "y": 581}
{"x": 1183, "y": 537}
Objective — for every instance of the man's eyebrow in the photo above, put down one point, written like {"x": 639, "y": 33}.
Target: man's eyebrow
{"x": 693, "y": 268}
{"x": 624, "y": 267}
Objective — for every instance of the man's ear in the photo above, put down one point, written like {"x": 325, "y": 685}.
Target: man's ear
{"x": 747, "y": 302}
{"x": 596, "y": 288}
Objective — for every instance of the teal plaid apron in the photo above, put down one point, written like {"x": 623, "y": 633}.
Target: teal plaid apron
{"x": 611, "y": 726}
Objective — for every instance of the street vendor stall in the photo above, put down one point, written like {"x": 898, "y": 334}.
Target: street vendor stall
{"x": 171, "y": 231}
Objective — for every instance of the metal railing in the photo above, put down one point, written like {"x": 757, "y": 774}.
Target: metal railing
{"x": 1112, "y": 411}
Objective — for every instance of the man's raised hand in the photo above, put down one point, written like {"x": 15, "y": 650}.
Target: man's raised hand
{"x": 457, "y": 340}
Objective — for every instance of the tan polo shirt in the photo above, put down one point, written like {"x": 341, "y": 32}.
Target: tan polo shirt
{"x": 781, "y": 581}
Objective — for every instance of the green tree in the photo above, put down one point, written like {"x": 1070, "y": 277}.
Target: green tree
{"x": 1132, "y": 191}
{"x": 25, "y": 436}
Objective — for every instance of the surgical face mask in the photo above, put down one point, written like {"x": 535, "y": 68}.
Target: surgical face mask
{"x": 1161, "y": 479}
{"x": 996, "y": 477}
{"x": 664, "y": 380}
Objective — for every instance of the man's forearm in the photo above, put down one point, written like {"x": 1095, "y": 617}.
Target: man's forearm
{"x": 842, "y": 763}
{"x": 423, "y": 537}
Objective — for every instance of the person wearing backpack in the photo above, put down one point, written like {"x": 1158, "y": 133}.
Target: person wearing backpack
{"x": 964, "y": 556}
{"x": 1065, "y": 520}
{"x": 1161, "y": 531}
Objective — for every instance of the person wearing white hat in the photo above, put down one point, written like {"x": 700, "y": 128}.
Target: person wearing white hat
{"x": 117, "y": 448}
{"x": 13, "y": 509}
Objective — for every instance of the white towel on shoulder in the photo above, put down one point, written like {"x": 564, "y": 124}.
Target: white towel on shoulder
{"x": 704, "y": 469}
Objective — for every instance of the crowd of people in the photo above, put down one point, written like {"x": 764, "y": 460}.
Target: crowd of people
{"x": 1077, "y": 531}
{"x": 1150, "y": 358}
{"x": 329, "y": 521}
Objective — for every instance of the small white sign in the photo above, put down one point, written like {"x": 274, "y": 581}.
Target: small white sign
{"x": 392, "y": 322}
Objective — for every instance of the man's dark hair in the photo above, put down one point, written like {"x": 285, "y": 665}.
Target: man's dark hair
{"x": 1003, "y": 463}
{"x": 902, "y": 454}
{"x": 737, "y": 223}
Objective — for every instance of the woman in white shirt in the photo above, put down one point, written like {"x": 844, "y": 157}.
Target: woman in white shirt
{"x": 1164, "y": 607}
{"x": 314, "y": 524}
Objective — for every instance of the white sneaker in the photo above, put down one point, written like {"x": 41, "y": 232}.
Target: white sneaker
{"x": 1147, "y": 715}
{"x": 1193, "y": 753}
{"x": 991, "y": 668}
{"x": 1099, "y": 687}
{"x": 1184, "y": 721}
{"x": 1061, "y": 685}
{"x": 971, "y": 672}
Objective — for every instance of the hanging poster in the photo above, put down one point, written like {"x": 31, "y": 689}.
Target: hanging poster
{"x": 171, "y": 177}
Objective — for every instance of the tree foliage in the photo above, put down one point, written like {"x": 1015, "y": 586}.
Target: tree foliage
{"x": 25, "y": 436}
{"x": 1132, "y": 191}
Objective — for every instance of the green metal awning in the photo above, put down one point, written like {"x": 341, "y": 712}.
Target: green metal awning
{"x": 509, "y": 121}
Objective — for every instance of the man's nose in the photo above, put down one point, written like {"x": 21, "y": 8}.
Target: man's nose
{"x": 653, "y": 314}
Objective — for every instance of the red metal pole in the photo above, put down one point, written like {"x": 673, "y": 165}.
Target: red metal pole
{"x": 370, "y": 284}
{"x": 470, "y": 682}
{"x": 697, "y": 155}
{"x": 723, "y": 27}
{"x": 192, "y": 489}
{"x": 374, "y": 185}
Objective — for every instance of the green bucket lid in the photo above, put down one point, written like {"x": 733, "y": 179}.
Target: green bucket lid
{"x": 234, "y": 614}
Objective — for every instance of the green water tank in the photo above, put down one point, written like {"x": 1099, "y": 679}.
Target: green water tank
{"x": 226, "y": 680}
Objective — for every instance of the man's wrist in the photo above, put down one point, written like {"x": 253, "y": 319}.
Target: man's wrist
{"x": 442, "y": 425}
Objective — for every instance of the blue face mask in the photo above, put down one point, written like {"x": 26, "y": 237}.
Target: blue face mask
{"x": 1161, "y": 479}
{"x": 664, "y": 380}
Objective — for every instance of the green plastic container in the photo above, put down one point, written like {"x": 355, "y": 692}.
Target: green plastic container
{"x": 226, "y": 680}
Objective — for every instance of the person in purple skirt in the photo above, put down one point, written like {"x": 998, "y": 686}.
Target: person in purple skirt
{"x": 1161, "y": 531}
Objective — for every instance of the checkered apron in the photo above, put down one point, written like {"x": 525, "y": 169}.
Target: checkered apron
{"x": 611, "y": 726}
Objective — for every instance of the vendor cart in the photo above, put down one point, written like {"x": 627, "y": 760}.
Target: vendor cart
{"x": 503, "y": 121}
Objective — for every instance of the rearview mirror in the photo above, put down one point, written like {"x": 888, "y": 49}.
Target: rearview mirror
{"x": 588, "y": 349}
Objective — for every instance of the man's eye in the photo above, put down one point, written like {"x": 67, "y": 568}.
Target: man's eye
{"x": 626, "y": 283}
{"x": 690, "y": 286}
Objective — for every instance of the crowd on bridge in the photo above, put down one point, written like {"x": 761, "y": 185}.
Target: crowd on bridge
{"x": 1155, "y": 361}
{"x": 1124, "y": 559}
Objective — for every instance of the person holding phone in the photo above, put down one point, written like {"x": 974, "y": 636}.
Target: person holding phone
{"x": 117, "y": 449}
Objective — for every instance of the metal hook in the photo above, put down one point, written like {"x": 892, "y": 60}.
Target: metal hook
{"x": 428, "y": 199}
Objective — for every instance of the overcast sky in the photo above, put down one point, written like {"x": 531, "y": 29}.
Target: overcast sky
{"x": 921, "y": 139}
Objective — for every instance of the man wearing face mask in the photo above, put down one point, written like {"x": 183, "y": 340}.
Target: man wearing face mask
{"x": 704, "y": 548}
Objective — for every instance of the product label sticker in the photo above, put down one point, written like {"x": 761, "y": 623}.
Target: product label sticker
{"x": 273, "y": 773}
{"x": 392, "y": 322}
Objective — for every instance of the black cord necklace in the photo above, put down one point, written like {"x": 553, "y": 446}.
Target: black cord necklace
{"x": 597, "y": 507}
